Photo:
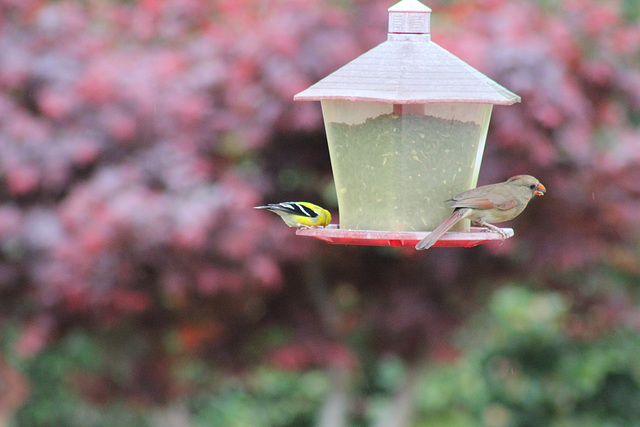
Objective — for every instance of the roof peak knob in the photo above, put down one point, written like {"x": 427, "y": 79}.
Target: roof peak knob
{"x": 409, "y": 20}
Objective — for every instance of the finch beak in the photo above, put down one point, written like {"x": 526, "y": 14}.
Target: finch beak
{"x": 540, "y": 190}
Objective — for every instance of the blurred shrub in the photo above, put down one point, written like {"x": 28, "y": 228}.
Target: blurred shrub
{"x": 69, "y": 386}
{"x": 268, "y": 397}
{"x": 520, "y": 368}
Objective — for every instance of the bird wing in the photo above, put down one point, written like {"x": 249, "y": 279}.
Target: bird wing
{"x": 292, "y": 208}
{"x": 485, "y": 203}
{"x": 488, "y": 197}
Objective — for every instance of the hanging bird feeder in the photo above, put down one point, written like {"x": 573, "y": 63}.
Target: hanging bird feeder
{"x": 406, "y": 125}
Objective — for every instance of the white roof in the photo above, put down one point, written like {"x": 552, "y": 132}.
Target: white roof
{"x": 408, "y": 68}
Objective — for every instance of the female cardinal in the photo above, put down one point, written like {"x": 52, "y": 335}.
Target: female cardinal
{"x": 490, "y": 203}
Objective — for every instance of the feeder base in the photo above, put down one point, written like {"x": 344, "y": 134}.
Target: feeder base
{"x": 333, "y": 234}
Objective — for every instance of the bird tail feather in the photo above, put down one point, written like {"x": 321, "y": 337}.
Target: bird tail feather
{"x": 436, "y": 234}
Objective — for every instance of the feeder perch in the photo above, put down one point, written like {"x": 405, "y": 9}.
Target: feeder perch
{"x": 332, "y": 234}
{"x": 406, "y": 125}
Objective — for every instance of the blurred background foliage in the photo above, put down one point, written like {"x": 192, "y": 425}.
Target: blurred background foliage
{"x": 139, "y": 287}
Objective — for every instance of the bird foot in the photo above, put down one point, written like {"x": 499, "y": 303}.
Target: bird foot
{"x": 491, "y": 227}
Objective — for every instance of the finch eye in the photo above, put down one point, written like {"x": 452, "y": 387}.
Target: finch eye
{"x": 532, "y": 186}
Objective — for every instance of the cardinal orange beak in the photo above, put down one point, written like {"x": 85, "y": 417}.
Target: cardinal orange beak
{"x": 540, "y": 190}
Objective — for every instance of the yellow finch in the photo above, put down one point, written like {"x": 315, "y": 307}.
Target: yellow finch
{"x": 300, "y": 214}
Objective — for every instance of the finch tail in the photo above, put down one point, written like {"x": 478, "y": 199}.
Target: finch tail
{"x": 436, "y": 234}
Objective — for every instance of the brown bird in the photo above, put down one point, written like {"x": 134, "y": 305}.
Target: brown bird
{"x": 489, "y": 203}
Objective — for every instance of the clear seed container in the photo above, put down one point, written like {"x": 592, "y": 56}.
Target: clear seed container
{"x": 395, "y": 165}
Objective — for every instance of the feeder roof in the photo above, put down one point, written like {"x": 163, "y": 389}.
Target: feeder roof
{"x": 408, "y": 68}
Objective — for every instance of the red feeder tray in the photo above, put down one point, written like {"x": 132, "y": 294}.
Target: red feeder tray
{"x": 333, "y": 234}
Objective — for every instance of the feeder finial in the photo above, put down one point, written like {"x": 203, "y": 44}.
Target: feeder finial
{"x": 409, "y": 20}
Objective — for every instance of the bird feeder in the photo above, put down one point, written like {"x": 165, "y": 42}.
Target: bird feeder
{"x": 406, "y": 125}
